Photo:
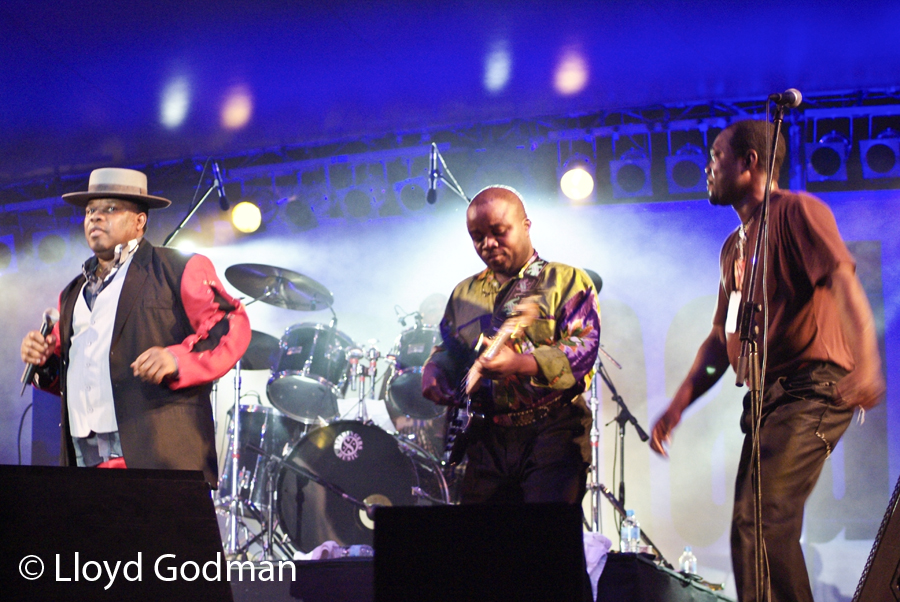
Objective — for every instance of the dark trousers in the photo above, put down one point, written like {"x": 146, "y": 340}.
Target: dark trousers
{"x": 545, "y": 461}
{"x": 801, "y": 424}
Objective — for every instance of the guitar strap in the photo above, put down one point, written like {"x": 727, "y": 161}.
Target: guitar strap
{"x": 524, "y": 286}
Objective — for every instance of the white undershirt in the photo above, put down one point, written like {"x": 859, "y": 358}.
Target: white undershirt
{"x": 88, "y": 384}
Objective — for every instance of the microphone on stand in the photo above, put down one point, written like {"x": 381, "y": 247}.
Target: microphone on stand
{"x": 790, "y": 98}
{"x": 433, "y": 175}
{"x": 50, "y": 317}
{"x": 353, "y": 356}
{"x": 220, "y": 187}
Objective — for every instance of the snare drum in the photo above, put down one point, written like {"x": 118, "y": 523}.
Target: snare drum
{"x": 268, "y": 429}
{"x": 310, "y": 372}
{"x": 404, "y": 388}
{"x": 364, "y": 461}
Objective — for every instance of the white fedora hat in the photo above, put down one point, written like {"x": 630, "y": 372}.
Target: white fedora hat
{"x": 117, "y": 183}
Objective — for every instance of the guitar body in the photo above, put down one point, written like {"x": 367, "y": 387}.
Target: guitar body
{"x": 460, "y": 416}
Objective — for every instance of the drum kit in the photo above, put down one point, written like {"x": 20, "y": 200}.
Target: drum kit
{"x": 300, "y": 471}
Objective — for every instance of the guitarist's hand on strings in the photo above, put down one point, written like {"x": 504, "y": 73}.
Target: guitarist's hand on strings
{"x": 505, "y": 363}
{"x": 435, "y": 385}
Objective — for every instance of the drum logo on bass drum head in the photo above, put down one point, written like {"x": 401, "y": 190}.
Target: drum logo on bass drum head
{"x": 347, "y": 446}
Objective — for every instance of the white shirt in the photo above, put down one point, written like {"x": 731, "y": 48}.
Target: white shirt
{"x": 88, "y": 383}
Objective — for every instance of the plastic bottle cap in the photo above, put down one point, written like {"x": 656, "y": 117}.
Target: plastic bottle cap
{"x": 629, "y": 513}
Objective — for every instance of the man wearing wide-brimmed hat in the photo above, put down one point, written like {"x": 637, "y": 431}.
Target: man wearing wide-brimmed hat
{"x": 142, "y": 333}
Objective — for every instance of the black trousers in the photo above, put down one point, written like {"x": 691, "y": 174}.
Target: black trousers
{"x": 545, "y": 461}
{"x": 801, "y": 423}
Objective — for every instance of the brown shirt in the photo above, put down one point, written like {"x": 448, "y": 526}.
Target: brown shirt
{"x": 804, "y": 248}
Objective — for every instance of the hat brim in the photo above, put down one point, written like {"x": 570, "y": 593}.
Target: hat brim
{"x": 81, "y": 199}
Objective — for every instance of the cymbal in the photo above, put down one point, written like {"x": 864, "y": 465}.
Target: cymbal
{"x": 279, "y": 287}
{"x": 262, "y": 352}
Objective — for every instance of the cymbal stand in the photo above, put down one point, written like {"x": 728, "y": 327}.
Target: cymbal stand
{"x": 231, "y": 543}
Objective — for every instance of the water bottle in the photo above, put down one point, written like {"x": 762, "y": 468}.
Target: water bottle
{"x": 687, "y": 562}
{"x": 630, "y": 535}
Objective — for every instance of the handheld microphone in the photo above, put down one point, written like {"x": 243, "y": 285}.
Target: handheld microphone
{"x": 433, "y": 176}
{"x": 790, "y": 98}
{"x": 220, "y": 187}
{"x": 50, "y": 317}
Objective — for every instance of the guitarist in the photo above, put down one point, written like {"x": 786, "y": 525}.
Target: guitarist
{"x": 530, "y": 437}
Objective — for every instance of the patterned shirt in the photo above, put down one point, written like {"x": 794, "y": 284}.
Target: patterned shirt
{"x": 564, "y": 339}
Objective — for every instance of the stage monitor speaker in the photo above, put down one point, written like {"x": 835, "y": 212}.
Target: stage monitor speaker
{"x": 95, "y": 534}
{"x": 880, "y": 580}
{"x": 474, "y": 552}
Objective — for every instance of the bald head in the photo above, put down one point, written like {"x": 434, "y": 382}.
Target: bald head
{"x": 500, "y": 230}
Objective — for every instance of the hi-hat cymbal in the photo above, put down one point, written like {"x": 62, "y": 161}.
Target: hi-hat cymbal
{"x": 279, "y": 287}
{"x": 262, "y": 352}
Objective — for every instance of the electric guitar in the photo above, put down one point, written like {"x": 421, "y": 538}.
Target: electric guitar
{"x": 460, "y": 416}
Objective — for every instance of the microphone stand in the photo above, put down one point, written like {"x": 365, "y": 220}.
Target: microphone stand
{"x": 449, "y": 180}
{"x": 748, "y": 368}
{"x": 622, "y": 417}
{"x": 190, "y": 214}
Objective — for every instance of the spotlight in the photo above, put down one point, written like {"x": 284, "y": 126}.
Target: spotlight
{"x": 631, "y": 174}
{"x": 8, "y": 255}
{"x": 411, "y": 193}
{"x": 357, "y": 203}
{"x": 50, "y": 247}
{"x": 686, "y": 170}
{"x": 826, "y": 160}
{"x": 881, "y": 156}
{"x": 301, "y": 215}
{"x": 246, "y": 217}
{"x": 576, "y": 182}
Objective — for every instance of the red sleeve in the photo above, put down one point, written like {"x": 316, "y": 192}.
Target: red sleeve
{"x": 207, "y": 303}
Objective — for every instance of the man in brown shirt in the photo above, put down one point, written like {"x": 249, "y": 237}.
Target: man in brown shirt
{"x": 818, "y": 345}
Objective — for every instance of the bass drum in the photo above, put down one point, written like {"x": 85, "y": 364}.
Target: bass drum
{"x": 368, "y": 464}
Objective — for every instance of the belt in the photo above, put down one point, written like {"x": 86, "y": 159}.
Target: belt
{"x": 529, "y": 416}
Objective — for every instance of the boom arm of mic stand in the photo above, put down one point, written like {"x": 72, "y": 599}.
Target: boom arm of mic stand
{"x": 450, "y": 181}
{"x": 188, "y": 216}
{"x": 624, "y": 414}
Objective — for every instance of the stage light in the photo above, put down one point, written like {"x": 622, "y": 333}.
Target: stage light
{"x": 826, "y": 160}
{"x": 571, "y": 74}
{"x": 577, "y": 181}
{"x": 357, "y": 203}
{"x": 631, "y": 174}
{"x": 497, "y": 67}
{"x": 412, "y": 192}
{"x": 686, "y": 170}
{"x": 176, "y": 100}
{"x": 246, "y": 217}
{"x": 300, "y": 214}
{"x": 881, "y": 157}
{"x": 237, "y": 109}
{"x": 50, "y": 247}
{"x": 8, "y": 263}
